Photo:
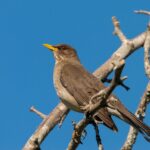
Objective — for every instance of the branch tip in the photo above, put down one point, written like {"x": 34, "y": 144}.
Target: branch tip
{"x": 144, "y": 12}
{"x": 33, "y": 109}
{"x": 117, "y": 30}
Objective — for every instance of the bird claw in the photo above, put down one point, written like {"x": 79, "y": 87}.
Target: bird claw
{"x": 86, "y": 108}
{"x": 100, "y": 94}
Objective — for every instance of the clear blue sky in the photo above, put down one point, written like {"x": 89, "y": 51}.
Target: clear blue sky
{"x": 26, "y": 67}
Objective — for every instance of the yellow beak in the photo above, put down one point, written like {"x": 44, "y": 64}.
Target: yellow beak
{"x": 50, "y": 47}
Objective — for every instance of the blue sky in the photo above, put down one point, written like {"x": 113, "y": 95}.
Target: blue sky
{"x": 26, "y": 67}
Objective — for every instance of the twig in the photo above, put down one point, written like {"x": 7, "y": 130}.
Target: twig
{"x": 142, "y": 12}
{"x": 126, "y": 49}
{"x": 98, "y": 138}
{"x": 45, "y": 127}
{"x": 140, "y": 113}
{"x": 117, "y": 30}
{"x": 76, "y": 136}
{"x": 43, "y": 116}
{"x": 105, "y": 93}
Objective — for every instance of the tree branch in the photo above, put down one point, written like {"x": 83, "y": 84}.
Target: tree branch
{"x": 117, "y": 30}
{"x": 142, "y": 12}
{"x": 140, "y": 113}
{"x": 45, "y": 127}
{"x": 146, "y": 53}
{"x": 98, "y": 138}
{"x": 125, "y": 50}
{"x": 103, "y": 95}
{"x": 78, "y": 130}
{"x": 43, "y": 116}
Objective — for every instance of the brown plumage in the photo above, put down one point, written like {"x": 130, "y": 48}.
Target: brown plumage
{"x": 82, "y": 86}
{"x": 75, "y": 86}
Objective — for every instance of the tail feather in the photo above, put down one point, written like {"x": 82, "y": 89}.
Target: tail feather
{"x": 133, "y": 120}
{"x": 102, "y": 115}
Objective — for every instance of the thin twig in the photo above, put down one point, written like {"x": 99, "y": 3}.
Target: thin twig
{"x": 142, "y": 12}
{"x": 76, "y": 136}
{"x": 33, "y": 109}
{"x": 98, "y": 138}
{"x": 125, "y": 50}
{"x": 105, "y": 93}
{"x": 117, "y": 30}
{"x": 45, "y": 127}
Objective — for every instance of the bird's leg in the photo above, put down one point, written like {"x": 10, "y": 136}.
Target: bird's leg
{"x": 99, "y": 95}
{"x": 98, "y": 138}
{"x": 86, "y": 107}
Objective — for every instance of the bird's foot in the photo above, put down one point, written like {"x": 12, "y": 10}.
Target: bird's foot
{"x": 100, "y": 95}
{"x": 86, "y": 108}
{"x": 95, "y": 100}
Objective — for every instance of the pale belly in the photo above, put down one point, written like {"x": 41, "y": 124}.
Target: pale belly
{"x": 68, "y": 100}
{"x": 65, "y": 97}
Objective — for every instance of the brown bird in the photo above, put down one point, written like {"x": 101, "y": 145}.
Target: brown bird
{"x": 75, "y": 86}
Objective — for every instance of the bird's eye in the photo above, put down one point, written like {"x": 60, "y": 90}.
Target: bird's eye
{"x": 62, "y": 48}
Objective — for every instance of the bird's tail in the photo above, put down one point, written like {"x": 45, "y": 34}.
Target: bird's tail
{"x": 102, "y": 116}
{"x": 130, "y": 118}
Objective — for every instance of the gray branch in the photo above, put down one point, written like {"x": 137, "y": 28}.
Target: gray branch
{"x": 140, "y": 113}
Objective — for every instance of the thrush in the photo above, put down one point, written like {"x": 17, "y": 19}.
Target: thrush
{"x": 75, "y": 86}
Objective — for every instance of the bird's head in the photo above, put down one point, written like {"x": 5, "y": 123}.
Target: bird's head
{"x": 62, "y": 52}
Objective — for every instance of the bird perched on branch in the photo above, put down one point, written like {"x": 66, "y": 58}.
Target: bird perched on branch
{"x": 75, "y": 86}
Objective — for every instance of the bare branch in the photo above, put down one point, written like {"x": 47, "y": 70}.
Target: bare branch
{"x": 122, "y": 52}
{"x": 43, "y": 116}
{"x": 146, "y": 53}
{"x": 102, "y": 95}
{"x": 140, "y": 113}
{"x": 142, "y": 12}
{"x": 98, "y": 138}
{"x": 63, "y": 118}
{"x": 76, "y": 136}
{"x": 117, "y": 30}
{"x": 45, "y": 127}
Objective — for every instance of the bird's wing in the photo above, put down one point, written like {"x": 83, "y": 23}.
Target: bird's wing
{"x": 82, "y": 86}
{"x": 79, "y": 83}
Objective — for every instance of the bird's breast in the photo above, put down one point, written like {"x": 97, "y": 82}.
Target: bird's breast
{"x": 65, "y": 96}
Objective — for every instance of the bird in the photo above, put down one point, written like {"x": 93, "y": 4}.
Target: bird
{"x": 75, "y": 86}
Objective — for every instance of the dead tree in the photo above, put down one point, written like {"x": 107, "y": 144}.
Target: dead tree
{"x": 58, "y": 114}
